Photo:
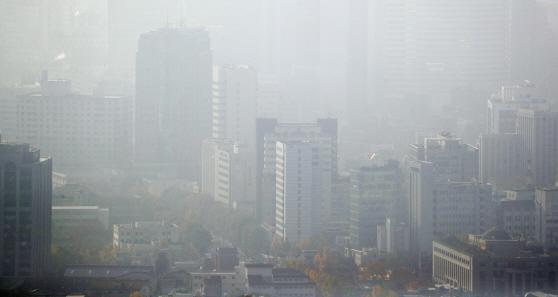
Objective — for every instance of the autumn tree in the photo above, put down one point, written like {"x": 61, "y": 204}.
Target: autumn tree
{"x": 278, "y": 246}
{"x": 379, "y": 291}
{"x": 417, "y": 284}
{"x": 254, "y": 239}
{"x": 377, "y": 269}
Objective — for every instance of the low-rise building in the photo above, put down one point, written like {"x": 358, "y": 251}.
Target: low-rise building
{"x": 547, "y": 208}
{"x": 144, "y": 232}
{"x": 493, "y": 264}
{"x": 263, "y": 279}
{"x": 231, "y": 282}
{"x": 75, "y": 216}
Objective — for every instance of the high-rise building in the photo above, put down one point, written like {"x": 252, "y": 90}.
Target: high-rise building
{"x": 302, "y": 170}
{"x": 443, "y": 207}
{"x": 502, "y": 108}
{"x": 173, "y": 98}
{"x": 235, "y": 92}
{"x": 229, "y": 174}
{"x": 547, "y": 205}
{"x": 78, "y": 131}
{"x": 431, "y": 47}
{"x": 539, "y": 133}
{"x": 376, "y": 194}
{"x": 452, "y": 159}
{"x": 269, "y": 132}
{"x": 500, "y": 160}
{"x": 26, "y": 206}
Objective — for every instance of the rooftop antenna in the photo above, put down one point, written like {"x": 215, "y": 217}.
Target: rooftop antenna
{"x": 181, "y": 21}
{"x": 167, "y": 24}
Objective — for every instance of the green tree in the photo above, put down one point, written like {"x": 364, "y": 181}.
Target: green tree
{"x": 254, "y": 239}
{"x": 198, "y": 237}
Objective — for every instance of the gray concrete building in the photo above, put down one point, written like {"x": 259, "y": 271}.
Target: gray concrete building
{"x": 25, "y": 210}
{"x": 547, "y": 207}
{"x": 539, "y": 133}
{"x": 452, "y": 160}
{"x": 441, "y": 208}
{"x": 501, "y": 160}
{"x": 77, "y": 131}
{"x": 503, "y": 107}
{"x": 376, "y": 194}
{"x": 493, "y": 264}
{"x": 229, "y": 174}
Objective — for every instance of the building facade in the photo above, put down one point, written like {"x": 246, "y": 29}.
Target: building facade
{"x": 229, "y": 174}
{"x": 441, "y": 208}
{"x": 26, "y": 201}
{"x": 268, "y": 133}
{"x": 503, "y": 108}
{"x": 173, "y": 98}
{"x": 546, "y": 201}
{"x": 144, "y": 233}
{"x": 452, "y": 160}
{"x": 500, "y": 160}
{"x": 376, "y": 194}
{"x": 303, "y": 180}
{"x": 263, "y": 279}
{"x": 539, "y": 133}
{"x": 77, "y": 131}
{"x": 235, "y": 98}
{"x": 493, "y": 264}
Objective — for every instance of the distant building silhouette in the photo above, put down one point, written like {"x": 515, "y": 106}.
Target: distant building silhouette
{"x": 173, "y": 98}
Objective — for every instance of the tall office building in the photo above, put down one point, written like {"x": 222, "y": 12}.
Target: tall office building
{"x": 25, "y": 210}
{"x": 78, "y": 131}
{"x": 539, "y": 133}
{"x": 428, "y": 48}
{"x": 229, "y": 174}
{"x": 500, "y": 160}
{"x": 235, "y": 97}
{"x": 502, "y": 108}
{"x": 376, "y": 194}
{"x": 452, "y": 159}
{"x": 443, "y": 207}
{"x": 302, "y": 170}
{"x": 268, "y": 133}
{"x": 546, "y": 201}
{"x": 173, "y": 98}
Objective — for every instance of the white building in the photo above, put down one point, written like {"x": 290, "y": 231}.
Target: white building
{"x": 503, "y": 108}
{"x": 324, "y": 131}
{"x": 303, "y": 179}
{"x": 76, "y": 130}
{"x": 233, "y": 283}
{"x": 75, "y": 216}
{"x": 144, "y": 232}
{"x": 264, "y": 280}
{"x": 547, "y": 209}
{"x": 235, "y": 92}
{"x": 229, "y": 173}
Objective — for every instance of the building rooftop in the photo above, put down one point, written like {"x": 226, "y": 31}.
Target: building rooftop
{"x": 287, "y": 272}
{"x": 109, "y": 271}
{"x": 496, "y": 233}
